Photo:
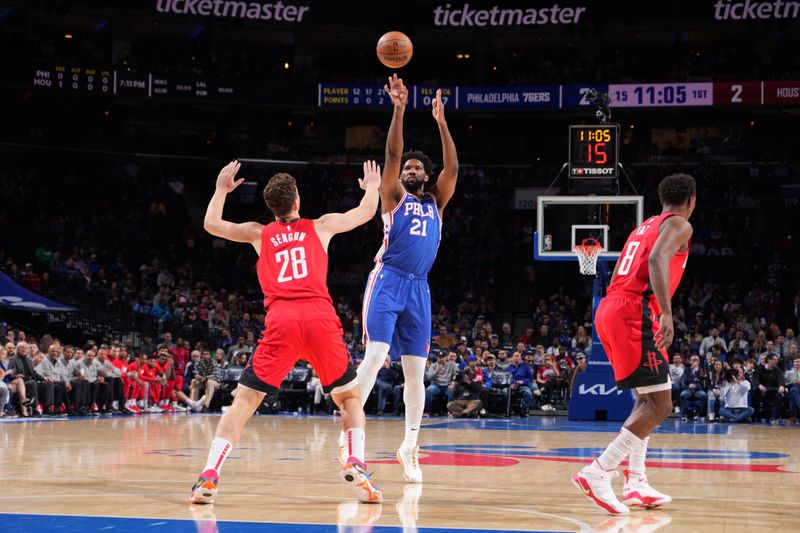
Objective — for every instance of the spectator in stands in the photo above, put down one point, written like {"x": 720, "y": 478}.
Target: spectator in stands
{"x": 792, "y": 383}
{"x": 490, "y": 371}
{"x": 506, "y": 335}
{"x": 191, "y": 370}
{"x": 16, "y": 383}
{"x": 716, "y": 380}
{"x": 676, "y": 374}
{"x": 790, "y": 338}
{"x": 239, "y": 348}
{"x": 385, "y": 383}
{"x": 444, "y": 340}
{"x": 206, "y": 380}
{"x": 693, "y": 384}
{"x": 225, "y": 341}
{"x": 582, "y": 341}
{"x": 466, "y": 395}
{"x": 769, "y": 388}
{"x": 713, "y": 339}
{"x": 544, "y": 338}
{"x": 522, "y": 381}
{"x": 553, "y": 349}
{"x": 440, "y": 375}
{"x": 547, "y": 380}
{"x": 502, "y": 359}
{"x": 538, "y": 356}
{"x": 580, "y": 366}
{"x": 734, "y": 396}
{"x": 219, "y": 358}
{"x": 5, "y": 381}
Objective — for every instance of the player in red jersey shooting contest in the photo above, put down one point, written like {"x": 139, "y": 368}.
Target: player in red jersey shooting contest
{"x": 301, "y": 322}
{"x": 634, "y": 322}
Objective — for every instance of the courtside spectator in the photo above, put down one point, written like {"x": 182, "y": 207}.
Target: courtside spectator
{"x": 734, "y": 393}
{"x": 792, "y": 383}
{"x": 769, "y": 388}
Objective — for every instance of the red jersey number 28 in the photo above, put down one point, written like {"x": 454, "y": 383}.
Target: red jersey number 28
{"x": 297, "y": 258}
{"x": 627, "y": 258}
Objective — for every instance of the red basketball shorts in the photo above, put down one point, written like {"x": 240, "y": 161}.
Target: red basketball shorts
{"x": 627, "y": 328}
{"x": 299, "y": 329}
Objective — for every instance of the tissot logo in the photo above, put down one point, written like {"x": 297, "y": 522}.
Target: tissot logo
{"x": 278, "y": 11}
{"x": 593, "y": 171}
{"x": 755, "y": 10}
{"x": 598, "y": 390}
{"x": 464, "y": 15}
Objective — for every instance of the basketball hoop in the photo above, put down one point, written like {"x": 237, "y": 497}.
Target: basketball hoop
{"x": 588, "y": 251}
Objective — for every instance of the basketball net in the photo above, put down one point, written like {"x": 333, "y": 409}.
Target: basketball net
{"x": 588, "y": 251}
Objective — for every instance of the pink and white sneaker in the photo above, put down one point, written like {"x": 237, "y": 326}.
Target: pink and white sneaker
{"x": 595, "y": 483}
{"x": 639, "y": 493}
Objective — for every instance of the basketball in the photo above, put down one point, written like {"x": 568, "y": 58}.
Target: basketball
{"x": 394, "y": 49}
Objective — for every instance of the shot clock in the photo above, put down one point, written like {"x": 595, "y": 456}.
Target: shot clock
{"x": 594, "y": 151}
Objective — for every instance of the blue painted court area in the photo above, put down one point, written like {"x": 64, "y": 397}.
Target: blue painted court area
{"x": 32, "y": 523}
{"x": 675, "y": 427}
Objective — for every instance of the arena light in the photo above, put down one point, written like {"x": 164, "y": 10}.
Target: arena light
{"x": 286, "y": 66}
{"x": 67, "y": 36}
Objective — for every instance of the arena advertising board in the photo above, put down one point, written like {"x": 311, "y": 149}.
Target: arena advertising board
{"x": 477, "y": 14}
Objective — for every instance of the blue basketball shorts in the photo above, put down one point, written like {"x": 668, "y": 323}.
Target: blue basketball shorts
{"x": 397, "y": 311}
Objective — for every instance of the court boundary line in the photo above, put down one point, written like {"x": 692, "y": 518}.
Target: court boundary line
{"x": 297, "y": 523}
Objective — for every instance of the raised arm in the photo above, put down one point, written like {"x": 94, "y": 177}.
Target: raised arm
{"x": 391, "y": 189}
{"x": 333, "y": 223}
{"x": 446, "y": 184}
{"x": 214, "y": 224}
{"x": 675, "y": 234}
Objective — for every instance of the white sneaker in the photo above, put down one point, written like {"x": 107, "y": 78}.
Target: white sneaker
{"x": 710, "y": 417}
{"x": 677, "y": 410}
{"x": 153, "y": 409}
{"x": 178, "y": 407}
{"x": 342, "y": 451}
{"x": 595, "y": 483}
{"x": 355, "y": 475}
{"x": 548, "y": 407}
{"x": 198, "y": 404}
{"x": 409, "y": 458}
{"x": 639, "y": 493}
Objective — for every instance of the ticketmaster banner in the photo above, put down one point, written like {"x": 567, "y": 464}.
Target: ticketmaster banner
{"x": 476, "y": 14}
{"x": 265, "y": 11}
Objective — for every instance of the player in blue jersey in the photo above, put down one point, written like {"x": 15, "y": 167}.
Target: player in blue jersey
{"x": 397, "y": 300}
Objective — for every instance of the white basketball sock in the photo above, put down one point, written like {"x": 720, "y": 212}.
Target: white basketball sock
{"x": 220, "y": 448}
{"x": 618, "y": 450}
{"x": 355, "y": 439}
{"x": 636, "y": 459}
{"x": 368, "y": 369}
{"x": 413, "y": 397}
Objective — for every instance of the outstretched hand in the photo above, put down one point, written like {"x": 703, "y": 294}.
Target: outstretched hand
{"x": 396, "y": 90}
{"x": 372, "y": 175}
{"x": 226, "y": 181}
{"x": 437, "y": 107}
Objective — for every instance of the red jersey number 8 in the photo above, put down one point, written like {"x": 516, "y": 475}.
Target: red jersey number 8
{"x": 297, "y": 258}
{"x": 627, "y": 258}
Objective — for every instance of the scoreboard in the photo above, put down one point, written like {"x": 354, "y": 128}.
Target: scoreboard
{"x": 629, "y": 95}
{"x": 124, "y": 83}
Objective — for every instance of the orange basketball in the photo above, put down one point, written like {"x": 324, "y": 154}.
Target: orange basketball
{"x": 394, "y": 49}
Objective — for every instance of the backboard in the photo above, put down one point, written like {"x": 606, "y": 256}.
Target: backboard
{"x": 564, "y": 221}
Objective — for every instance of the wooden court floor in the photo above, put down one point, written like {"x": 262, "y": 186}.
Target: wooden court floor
{"x": 496, "y": 475}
